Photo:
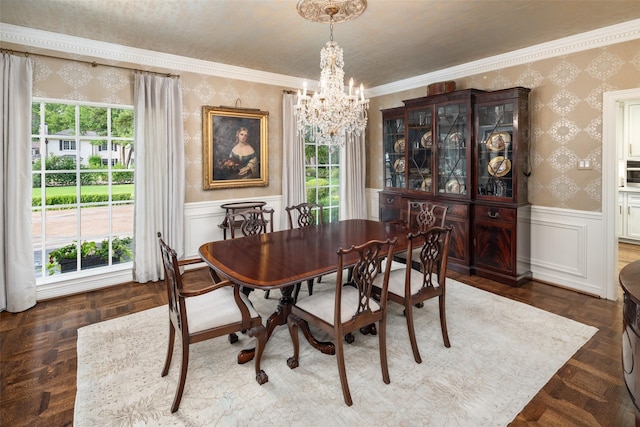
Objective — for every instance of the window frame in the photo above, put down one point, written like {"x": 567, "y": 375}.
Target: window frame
{"x": 41, "y": 241}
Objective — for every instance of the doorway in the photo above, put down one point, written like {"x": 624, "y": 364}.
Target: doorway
{"x": 610, "y": 116}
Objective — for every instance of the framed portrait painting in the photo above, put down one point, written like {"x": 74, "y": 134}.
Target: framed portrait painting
{"x": 235, "y": 147}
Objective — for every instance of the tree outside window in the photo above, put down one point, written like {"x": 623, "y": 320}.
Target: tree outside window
{"x": 322, "y": 178}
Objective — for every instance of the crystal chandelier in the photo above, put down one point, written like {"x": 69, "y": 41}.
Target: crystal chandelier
{"x": 331, "y": 114}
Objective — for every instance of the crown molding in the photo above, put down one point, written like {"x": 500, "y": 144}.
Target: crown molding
{"x": 71, "y": 45}
{"x": 606, "y": 36}
{"x": 138, "y": 58}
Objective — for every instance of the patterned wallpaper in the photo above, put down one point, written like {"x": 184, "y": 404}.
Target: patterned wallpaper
{"x": 63, "y": 79}
{"x": 566, "y": 119}
{"x": 566, "y": 104}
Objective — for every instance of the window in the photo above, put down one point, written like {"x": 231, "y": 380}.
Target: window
{"x": 322, "y": 180}
{"x": 105, "y": 162}
{"x": 67, "y": 145}
{"x": 82, "y": 203}
{"x": 103, "y": 147}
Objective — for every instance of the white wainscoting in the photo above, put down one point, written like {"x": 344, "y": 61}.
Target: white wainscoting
{"x": 567, "y": 247}
{"x": 202, "y": 220}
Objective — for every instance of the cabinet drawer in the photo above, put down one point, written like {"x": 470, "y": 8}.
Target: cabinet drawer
{"x": 456, "y": 210}
{"x": 390, "y": 206}
{"x": 494, "y": 213}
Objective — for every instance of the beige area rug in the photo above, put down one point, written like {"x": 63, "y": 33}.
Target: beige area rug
{"x": 502, "y": 353}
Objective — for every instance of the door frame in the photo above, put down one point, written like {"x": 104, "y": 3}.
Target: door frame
{"x": 610, "y": 162}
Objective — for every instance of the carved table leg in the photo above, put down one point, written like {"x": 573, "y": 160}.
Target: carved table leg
{"x": 279, "y": 317}
{"x": 260, "y": 332}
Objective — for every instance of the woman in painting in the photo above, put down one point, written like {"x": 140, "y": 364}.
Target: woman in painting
{"x": 244, "y": 155}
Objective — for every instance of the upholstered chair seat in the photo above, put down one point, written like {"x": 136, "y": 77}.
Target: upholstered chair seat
{"x": 222, "y": 302}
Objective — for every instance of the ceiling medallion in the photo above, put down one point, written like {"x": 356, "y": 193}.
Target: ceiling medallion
{"x": 336, "y": 11}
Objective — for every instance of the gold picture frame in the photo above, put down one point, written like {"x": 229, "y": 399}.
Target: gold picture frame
{"x": 234, "y": 147}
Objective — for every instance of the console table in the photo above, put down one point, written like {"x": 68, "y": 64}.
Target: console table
{"x": 630, "y": 282}
{"x": 231, "y": 208}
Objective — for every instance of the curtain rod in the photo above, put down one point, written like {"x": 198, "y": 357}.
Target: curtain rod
{"x": 92, "y": 63}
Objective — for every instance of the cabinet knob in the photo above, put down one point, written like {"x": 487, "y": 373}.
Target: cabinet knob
{"x": 390, "y": 200}
{"x": 493, "y": 215}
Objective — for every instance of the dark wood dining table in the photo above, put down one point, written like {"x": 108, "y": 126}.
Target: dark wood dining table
{"x": 281, "y": 259}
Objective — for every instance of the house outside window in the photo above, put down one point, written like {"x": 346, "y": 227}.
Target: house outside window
{"x": 82, "y": 202}
{"x": 67, "y": 145}
{"x": 322, "y": 178}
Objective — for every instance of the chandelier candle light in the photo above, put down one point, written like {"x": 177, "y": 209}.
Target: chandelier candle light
{"x": 331, "y": 114}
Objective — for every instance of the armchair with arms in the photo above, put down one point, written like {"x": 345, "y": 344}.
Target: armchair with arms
{"x": 198, "y": 314}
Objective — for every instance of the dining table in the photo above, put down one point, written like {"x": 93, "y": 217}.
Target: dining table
{"x": 281, "y": 259}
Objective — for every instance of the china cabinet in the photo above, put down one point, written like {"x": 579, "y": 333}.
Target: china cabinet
{"x": 501, "y": 212}
{"x": 467, "y": 150}
{"x": 432, "y": 162}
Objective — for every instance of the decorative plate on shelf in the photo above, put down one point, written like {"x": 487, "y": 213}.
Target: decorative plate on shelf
{"x": 426, "y": 140}
{"x": 398, "y": 166}
{"x": 453, "y": 186}
{"x": 455, "y": 140}
{"x": 399, "y": 146}
{"x": 497, "y": 141}
{"x": 499, "y": 166}
{"x": 426, "y": 184}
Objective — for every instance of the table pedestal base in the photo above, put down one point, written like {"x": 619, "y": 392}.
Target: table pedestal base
{"x": 279, "y": 317}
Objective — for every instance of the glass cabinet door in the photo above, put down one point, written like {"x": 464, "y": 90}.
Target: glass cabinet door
{"x": 394, "y": 150}
{"x": 420, "y": 149}
{"x": 453, "y": 137}
{"x": 495, "y": 148}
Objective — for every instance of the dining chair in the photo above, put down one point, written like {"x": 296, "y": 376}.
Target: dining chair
{"x": 344, "y": 309}
{"x": 201, "y": 313}
{"x": 410, "y": 287}
{"x": 299, "y": 216}
{"x": 250, "y": 222}
{"x": 422, "y": 215}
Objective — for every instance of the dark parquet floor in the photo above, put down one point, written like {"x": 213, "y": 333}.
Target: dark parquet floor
{"x": 38, "y": 359}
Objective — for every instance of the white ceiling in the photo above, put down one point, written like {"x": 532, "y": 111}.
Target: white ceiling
{"x": 391, "y": 41}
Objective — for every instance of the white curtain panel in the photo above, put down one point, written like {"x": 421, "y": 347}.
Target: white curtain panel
{"x": 353, "y": 167}
{"x": 17, "y": 274}
{"x": 159, "y": 173}
{"x": 293, "y": 183}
